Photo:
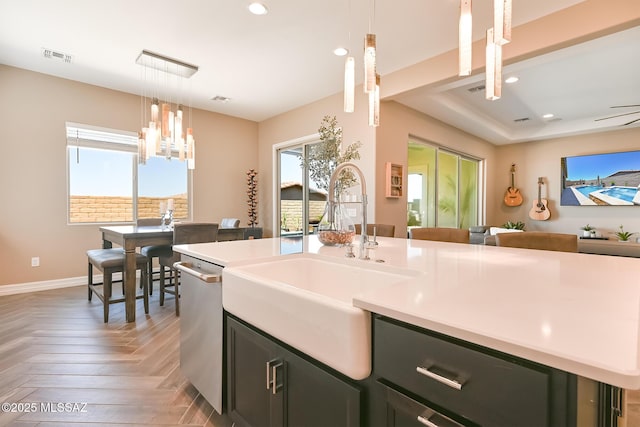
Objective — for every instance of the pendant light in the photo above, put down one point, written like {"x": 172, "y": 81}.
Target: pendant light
{"x": 349, "y": 72}
{"x": 501, "y": 21}
{"x": 374, "y": 104}
{"x": 370, "y": 54}
{"x": 493, "y": 85}
{"x": 349, "y": 84}
{"x": 164, "y": 134}
{"x": 369, "y": 63}
{"x": 465, "y": 40}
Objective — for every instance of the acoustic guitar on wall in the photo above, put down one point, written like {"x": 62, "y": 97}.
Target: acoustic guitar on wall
{"x": 513, "y": 197}
{"x": 540, "y": 208}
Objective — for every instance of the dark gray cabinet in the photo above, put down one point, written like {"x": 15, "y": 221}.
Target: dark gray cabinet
{"x": 270, "y": 385}
{"x": 424, "y": 378}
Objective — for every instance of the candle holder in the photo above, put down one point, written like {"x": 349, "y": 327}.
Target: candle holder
{"x": 167, "y": 219}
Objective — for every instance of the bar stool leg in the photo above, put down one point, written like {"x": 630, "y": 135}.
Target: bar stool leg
{"x": 145, "y": 288}
{"x": 90, "y": 280}
{"x": 161, "y": 285}
{"x": 107, "y": 292}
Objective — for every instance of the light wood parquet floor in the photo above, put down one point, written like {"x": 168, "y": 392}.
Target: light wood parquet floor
{"x": 55, "y": 349}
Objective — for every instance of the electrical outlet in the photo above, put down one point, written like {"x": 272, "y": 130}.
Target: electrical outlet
{"x": 35, "y": 261}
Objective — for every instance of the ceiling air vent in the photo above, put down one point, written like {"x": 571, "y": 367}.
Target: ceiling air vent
{"x": 476, "y": 88}
{"x": 52, "y": 54}
{"x": 523, "y": 119}
{"x": 219, "y": 98}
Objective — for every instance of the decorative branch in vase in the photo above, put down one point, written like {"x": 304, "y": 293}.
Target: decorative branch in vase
{"x": 323, "y": 158}
{"x": 252, "y": 193}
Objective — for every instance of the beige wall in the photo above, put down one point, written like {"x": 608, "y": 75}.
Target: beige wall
{"x": 33, "y": 219}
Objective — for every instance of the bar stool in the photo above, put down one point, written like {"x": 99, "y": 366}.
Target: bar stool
{"x": 111, "y": 261}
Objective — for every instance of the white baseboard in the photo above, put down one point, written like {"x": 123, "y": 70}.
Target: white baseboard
{"x": 47, "y": 285}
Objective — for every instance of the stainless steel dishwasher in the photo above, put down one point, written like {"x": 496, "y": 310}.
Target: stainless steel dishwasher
{"x": 201, "y": 327}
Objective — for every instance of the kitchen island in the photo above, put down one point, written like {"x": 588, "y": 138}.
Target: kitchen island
{"x": 575, "y": 313}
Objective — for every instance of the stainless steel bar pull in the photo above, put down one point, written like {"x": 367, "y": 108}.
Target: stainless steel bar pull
{"x": 444, "y": 380}
{"x": 274, "y": 371}
{"x": 426, "y": 422}
{"x": 187, "y": 268}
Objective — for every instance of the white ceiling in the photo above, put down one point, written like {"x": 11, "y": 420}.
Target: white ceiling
{"x": 271, "y": 64}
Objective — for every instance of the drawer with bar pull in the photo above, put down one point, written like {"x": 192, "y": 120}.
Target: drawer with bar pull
{"x": 475, "y": 385}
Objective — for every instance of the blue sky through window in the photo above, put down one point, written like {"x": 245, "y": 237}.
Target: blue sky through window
{"x": 108, "y": 173}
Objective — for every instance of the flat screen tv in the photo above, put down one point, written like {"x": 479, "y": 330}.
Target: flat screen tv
{"x": 610, "y": 179}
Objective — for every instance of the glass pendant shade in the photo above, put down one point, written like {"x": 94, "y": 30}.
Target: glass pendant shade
{"x": 349, "y": 84}
{"x": 374, "y": 104}
{"x": 169, "y": 140}
{"x": 191, "y": 149}
{"x": 155, "y": 110}
{"x": 493, "y": 68}
{"x": 501, "y": 22}
{"x": 177, "y": 133}
{"x": 151, "y": 139}
{"x": 142, "y": 147}
{"x": 166, "y": 109}
{"x": 369, "y": 63}
{"x": 465, "y": 39}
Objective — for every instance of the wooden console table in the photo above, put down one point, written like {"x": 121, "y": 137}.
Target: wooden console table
{"x": 609, "y": 247}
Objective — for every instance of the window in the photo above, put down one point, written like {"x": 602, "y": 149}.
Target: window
{"x": 106, "y": 184}
{"x": 443, "y": 187}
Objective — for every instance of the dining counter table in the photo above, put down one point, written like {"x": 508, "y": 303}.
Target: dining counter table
{"x": 131, "y": 237}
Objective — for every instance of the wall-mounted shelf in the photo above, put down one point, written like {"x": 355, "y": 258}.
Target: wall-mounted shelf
{"x": 394, "y": 187}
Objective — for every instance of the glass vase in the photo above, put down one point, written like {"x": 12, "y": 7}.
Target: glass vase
{"x": 336, "y": 227}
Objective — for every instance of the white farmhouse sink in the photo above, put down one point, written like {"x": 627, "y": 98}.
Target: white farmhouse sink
{"x": 305, "y": 300}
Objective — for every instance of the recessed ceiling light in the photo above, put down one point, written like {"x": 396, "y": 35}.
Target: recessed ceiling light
{"x": 547, "y": 116}
{"x": 258, "y": 8}
{"x": 341, "y": 51}
{"x": 511, "y": 79}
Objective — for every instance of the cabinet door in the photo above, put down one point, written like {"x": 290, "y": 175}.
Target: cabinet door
{"x": 269, "y": 385}
{"x": 316, "y": 398}
{"x": 250, "y": 360}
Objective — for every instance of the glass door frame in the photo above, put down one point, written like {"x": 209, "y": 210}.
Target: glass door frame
{"x": 303, "y": 142}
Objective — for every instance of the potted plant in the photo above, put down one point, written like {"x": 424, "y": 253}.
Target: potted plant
{"x": 588, "y": 231}
{"x": 623, "y": 236}
{"x": 519, "y": 225}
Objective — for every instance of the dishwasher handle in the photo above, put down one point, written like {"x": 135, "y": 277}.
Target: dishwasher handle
{"x": 187, "y": 268}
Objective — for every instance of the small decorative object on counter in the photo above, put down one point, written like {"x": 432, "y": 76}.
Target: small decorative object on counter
{"x": 623, "y": 236}
{"x": 335, "y": 228}
{"x": 252, "y": 194}
{"x": 519, "y": 225}
{"x": 588, "y": 231}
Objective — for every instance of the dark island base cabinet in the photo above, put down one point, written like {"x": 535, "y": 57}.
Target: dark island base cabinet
{"x": 424, "y": 378}
{"x": 269, "y": 385}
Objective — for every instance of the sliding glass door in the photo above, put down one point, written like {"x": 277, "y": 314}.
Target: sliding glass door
{"x": 443, "y": 187}
{"x": 300, "y": 202}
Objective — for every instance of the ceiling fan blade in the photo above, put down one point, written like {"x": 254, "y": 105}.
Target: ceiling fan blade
{"x": 617, "y": 115}
{"x": 632, "y": 121}
{"x": 625, "y": 106}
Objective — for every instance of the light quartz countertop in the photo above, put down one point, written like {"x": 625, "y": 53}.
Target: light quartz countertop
{"x": 576, "y": 312}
